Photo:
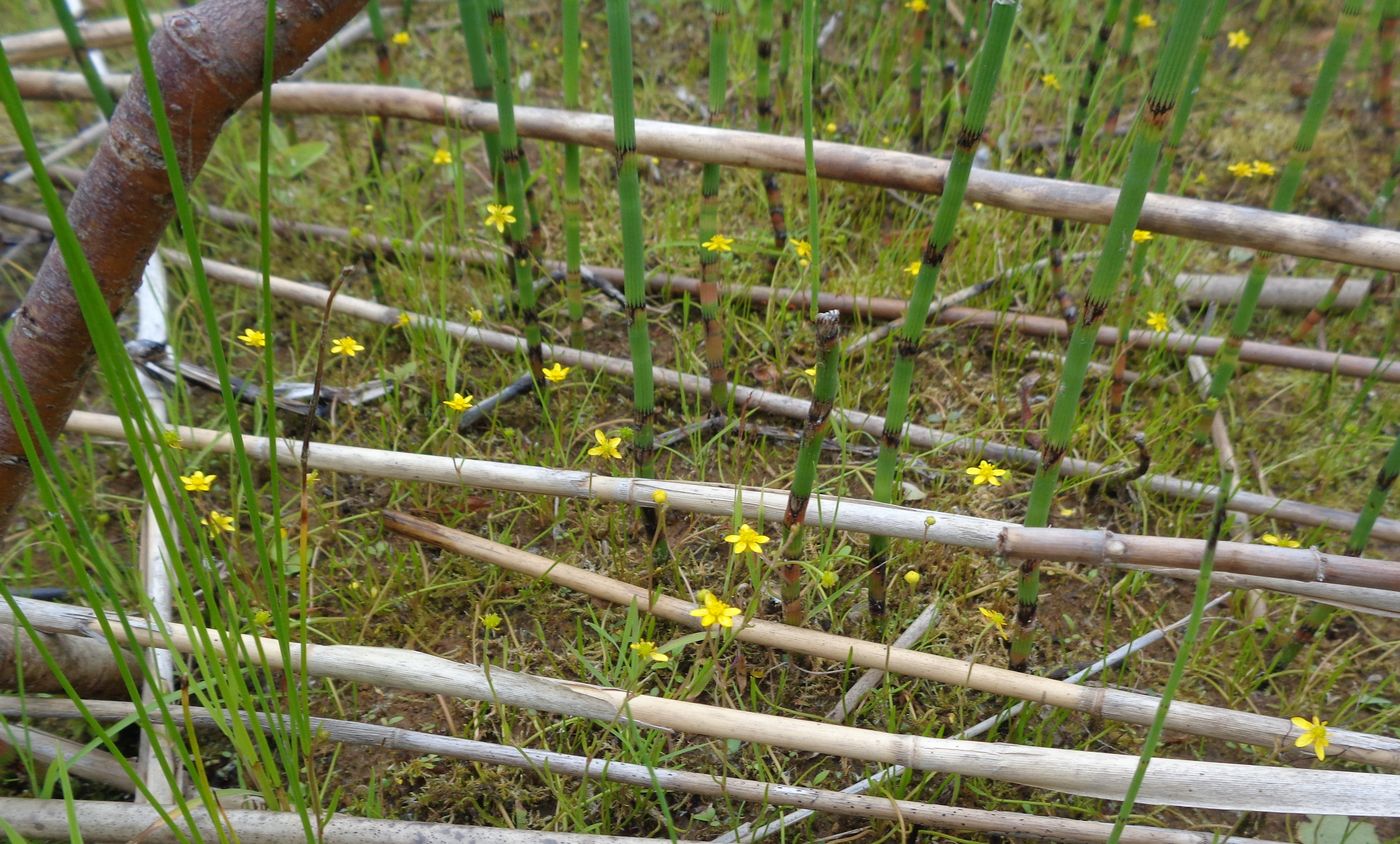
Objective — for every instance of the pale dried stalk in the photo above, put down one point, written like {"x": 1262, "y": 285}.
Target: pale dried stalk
{"x": 94, "y": 765}
{"x": 1113, "y": 704}
{"x": 1170, "y": 782}
{"x": 1282, "y": 292}
{"x": 670, "y": 779}
{"x": 51, "y": 43}
{"x": 850, "y": 701}
{"x": 1195, "y": 219}
{"x": 1096, "y": 547}
{"x": 750, "y": 398}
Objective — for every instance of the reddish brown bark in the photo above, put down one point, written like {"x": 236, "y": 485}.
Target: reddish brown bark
{"x": 208, "y": 60}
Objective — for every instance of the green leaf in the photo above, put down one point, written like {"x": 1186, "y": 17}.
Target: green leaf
{"x": 1335, "y": 829}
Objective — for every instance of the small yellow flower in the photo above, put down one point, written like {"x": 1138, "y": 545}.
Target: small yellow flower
{"x": 647, "y": 650}
{"x": 1314, "y": 733}
{"x": 1145, "y": 21}
{"x": 491, "y": 621}
{"x": 218, "y": 523}
{"x": 557, "y": 373}
{"x": 917, "y": 6}
{"x": 499, "y": 216}
{"x": 1157, "y": 321}
{"x": 442, "y": 157}
{"x": 1040, "y": 171}
{"x": 253, "y": 338}
{"x": 1238, "y": 40}
{"x": 714, "y": 611}
{"x": 459, "y": 402}
{"x": 1262, "y": 168}
{"x": 995, "y": 619}
{"x": 747, "y": 539}
{"x": 1050, "y": 81}
{"x": 346, "y": 346}
{"x": 829, "y": 579}
{"x": 1241, "y": 170}
{"x": 403, "y": 320}
{"x": 172, "y": 440}
{"x": 401, "y": 38}
{"x": 831, "y": 128}
{"x": 475, "y": 315}
{"x": 262, "y": 618}
{"x": 912, "y": 577}
{"x": 198, "y": 482}
{"x": 802, "y": 248}
{"x": 719, "y": 243}
{"x": 606, "y": 447}
{"x": 986, "y": 473}
{"x": 1284, "y": 541}
{"x": 659, "y": 497}
{"x": 1141, "y": 235}
{"x": 810, "y": 372}
{"x": 912, "y": 268}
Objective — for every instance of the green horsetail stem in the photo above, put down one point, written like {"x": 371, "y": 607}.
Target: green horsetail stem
{"x": 1156, "y": 111}
{"x": 629, "y": 196}
{"x": 763, "y": 92}
{"x": 1317, "y": 618}
{"x": 935, "y": 251}
{"x": 1125, "y": 63}
{"x": 512, "y": 154}
{"x": 918, "y": 43}
{"x": 1118, "y": 387}
{"x": 780, "y": 82}
{"x": 473, "y": 17}
{"x": 721, "y": 11}
{"x": 100, "y": 94}
{"x": 573, "y": 192}
{"x": 1183, "y": 655}
{"x": 1074, "y": 135}
{"x": 828, "y": 328}
{"x": 809, "y": 121}
{"x": 1227, "y": 359}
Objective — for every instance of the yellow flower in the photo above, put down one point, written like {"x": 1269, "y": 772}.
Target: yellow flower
{"x": 996, "y": 619}
{"x": 557, "y": 373}
{"x": 1040, "y": 171}
{"x": 198, "y": 482}
{"x": 810, "y": 372}
{"x": 1145, "y": 21}
{"x": 403, "y": 320}
{"x": 1050, "y": 81}
{"x": 499, "y": 216}
{"x": 401, "y": 38}
{"x": 828, "y": 579}
{"x": 719, "y": 243}
{"x": 1141, "y": 235}
{"x": 714, "y": 611}
{"x": 346, "y": 346}
{"x": 986, "y": 473}
{"x": 647, "y": 650}
{"x": 1284, "y": 541}
{"x": 912, "y": 577}
{"x": 913, "y": 267}
{"x": 459, "y": 402}
{"x": 606, "y": 447}
{"x": 491, "y": 621}
{"x": 217, "y": 523}
{"x": 253, "y": 338}
{"x": 917, "y": 6}
{"x": 659, "y": 497}
{"x": 172, "y": 440}
{"x": 1262, "y": 168}
{"x": 802, "y": 248}
{"x": 1314, "y": 733}
{"x": 1157, "y": 321}
{"x": 442, "y": 157}
{"x": 747, "y": 539}
{"x": 1238, "y": 40}
{"x": 475, "y": 315}
{"x": 831, "y": 128}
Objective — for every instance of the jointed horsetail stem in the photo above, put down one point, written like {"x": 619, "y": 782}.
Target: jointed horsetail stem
{"x": 1157, "y": 110}
{"x": 918, "y": 43}
{"x": 629, "y": 194}
{"x": 473, "y": 17}
{"x": 573, "y": 193}
{"x": 1074, "y": 136}
{"x": 1227, "y": 358}
{"x": 763, "y": 92}
{"x": 780, "y": 81}
{"x": 1317, "y": 618}
{"x": 709, "y": 212}
{"x": 828, "y": 328}
{"x": 512, "y": 157}
{"x": 935, "y": 251}
{"x": 1171, "y": 145}
{"x": 1125, "y": 62}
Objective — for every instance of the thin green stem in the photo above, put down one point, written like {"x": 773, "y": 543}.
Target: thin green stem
{"x": 573, "y": 193}
{"x": 721, "y": 12}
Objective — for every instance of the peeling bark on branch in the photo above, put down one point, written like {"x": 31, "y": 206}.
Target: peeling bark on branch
{"x": 208, "y": 60}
